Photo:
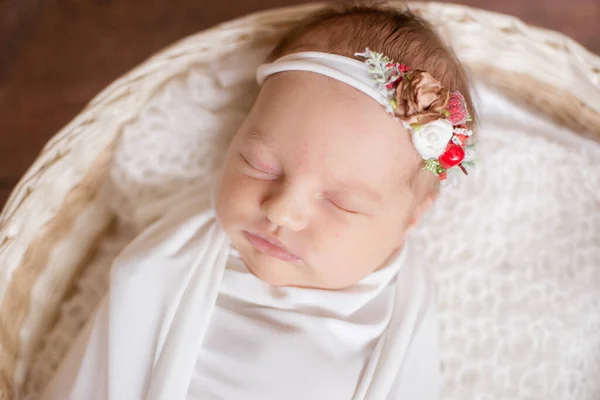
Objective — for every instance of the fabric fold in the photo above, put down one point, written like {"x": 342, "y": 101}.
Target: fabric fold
{"x": 162, "y": 290}
{"x": 145, "y": 337}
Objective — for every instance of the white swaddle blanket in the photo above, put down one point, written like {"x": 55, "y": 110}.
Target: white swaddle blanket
{"x": 145, "y": 338}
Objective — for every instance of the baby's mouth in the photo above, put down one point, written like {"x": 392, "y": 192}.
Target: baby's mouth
{"x": 270, "y": 246}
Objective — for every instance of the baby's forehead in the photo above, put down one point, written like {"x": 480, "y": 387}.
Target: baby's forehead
{"x": 306, "y": 102}
{"x": 315, "y": 120}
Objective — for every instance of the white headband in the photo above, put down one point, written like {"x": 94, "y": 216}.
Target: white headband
{"x": 348, "y": 70}
{"x": 444, "y": 143}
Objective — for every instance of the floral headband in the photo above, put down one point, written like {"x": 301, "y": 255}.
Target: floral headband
{"x": 435, "y": 117}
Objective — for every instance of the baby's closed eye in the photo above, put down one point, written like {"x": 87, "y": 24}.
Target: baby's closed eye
{"x": 342, "y": 203}
{"x": 259, "y": 169}
{"x": 343, "y": 207}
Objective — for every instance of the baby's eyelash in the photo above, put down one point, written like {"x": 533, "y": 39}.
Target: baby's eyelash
{"x": 338, "y": 206}
{"x": 258, "y": 169}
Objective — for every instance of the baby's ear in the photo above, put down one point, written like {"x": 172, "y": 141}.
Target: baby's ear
{"x": 423, "y": 205}
{"x": 426, "y": 189}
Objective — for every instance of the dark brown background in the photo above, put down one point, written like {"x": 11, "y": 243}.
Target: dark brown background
{"x": 55, "y": 55}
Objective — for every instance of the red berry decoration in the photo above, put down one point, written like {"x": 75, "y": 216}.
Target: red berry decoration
{"x": 394, "y": 85}
{"x": 403, "y": 68}
{"x": 457, "y": 108}
{"x": 452, "y": 156}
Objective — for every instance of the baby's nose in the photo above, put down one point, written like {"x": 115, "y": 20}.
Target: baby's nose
{"x": 287, "y": 210}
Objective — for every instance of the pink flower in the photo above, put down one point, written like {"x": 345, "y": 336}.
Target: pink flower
{"x": 457, "y": 108}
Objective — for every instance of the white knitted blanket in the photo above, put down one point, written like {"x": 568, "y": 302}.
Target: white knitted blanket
{"x": 515, "y": 250}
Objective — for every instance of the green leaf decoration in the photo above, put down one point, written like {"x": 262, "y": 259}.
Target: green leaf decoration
{"x": 433, "y": 165}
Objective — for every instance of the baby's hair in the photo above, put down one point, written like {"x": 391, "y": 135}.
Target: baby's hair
{"x": 399, "y": 34}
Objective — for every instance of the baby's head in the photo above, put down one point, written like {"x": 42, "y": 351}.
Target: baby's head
{"x": 321, "y": 185}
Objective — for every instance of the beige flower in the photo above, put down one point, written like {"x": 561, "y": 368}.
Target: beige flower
{"x": 420, "y": 98}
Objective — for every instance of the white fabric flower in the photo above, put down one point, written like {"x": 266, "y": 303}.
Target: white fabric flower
{"x": 431, "y": 139}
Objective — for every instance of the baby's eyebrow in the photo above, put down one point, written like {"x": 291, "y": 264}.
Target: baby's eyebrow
{"x": 258, "y": 138}
{"x": 361, "y": 188}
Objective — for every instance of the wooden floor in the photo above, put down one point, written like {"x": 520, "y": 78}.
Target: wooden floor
{"x": 55, "y": 55}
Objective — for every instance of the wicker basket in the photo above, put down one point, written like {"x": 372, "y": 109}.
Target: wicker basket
{"x": 51, "y": 223}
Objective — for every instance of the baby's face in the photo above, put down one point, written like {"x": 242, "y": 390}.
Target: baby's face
{"x": 315, "y": 189}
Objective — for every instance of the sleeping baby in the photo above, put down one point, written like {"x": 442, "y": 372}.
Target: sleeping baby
{"x": 300, "y": 281}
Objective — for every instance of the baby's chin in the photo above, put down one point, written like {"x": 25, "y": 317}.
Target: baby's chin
{"x": 267, "y": 269}
{"x": 279, "y": 273}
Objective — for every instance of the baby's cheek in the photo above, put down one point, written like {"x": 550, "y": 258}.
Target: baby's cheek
{"x": 345, "y": 257}
{"x": 228, "y": 196}
{"x": 239, "y": 198}
{"x": 376, "y": 244}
